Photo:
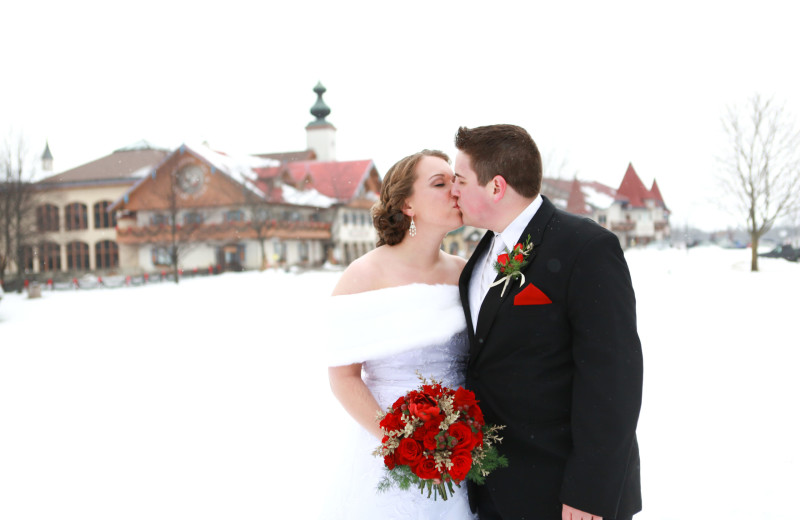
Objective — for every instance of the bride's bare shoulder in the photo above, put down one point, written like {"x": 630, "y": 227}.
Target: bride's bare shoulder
{"x": 455, "y": 264}
{"x": 363, "y": 275}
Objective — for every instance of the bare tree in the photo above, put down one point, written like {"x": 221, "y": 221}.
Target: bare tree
{"x": 556, "y": 166}
{"x": 17, "y": 209}
{"x": 259, "y": 210}
{"x": 762, "y": 169}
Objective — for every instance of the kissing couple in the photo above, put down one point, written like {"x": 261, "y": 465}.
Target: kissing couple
{"x": 552, "y": 354}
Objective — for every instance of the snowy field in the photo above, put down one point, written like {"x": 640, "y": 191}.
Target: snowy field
{"x": 207, "y": 400}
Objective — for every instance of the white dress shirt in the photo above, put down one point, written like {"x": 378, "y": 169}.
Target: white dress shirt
{"x": 483, "y": 274}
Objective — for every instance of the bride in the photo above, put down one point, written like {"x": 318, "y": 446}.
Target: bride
{"x": 396, "y": 311}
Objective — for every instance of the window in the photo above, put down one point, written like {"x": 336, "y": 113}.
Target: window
{"x": 104, "y": 219}
{"x": 234, "y": 216}
{"x": 302, "y": 251}
{"x": 159, "y": 219}
{"x": 161, "y": 256}
{"x": 78, "y": 256}
{"x": 106, "y": 254}
{"x": 47, "y": 218}
{"x": 49, "y": 256}
{"x": 193, "y": 217}
{"x": 27, "y": 258}
{"x": 75, "y": 216}
{"x": 344, "y": 217}
{"x": 279, "y": 249}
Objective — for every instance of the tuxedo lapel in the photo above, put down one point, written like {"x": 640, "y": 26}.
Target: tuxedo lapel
{"x": 493, "y": 300}
{"x": 463, "y": 284}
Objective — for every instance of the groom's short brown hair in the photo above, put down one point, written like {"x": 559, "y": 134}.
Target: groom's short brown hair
{"x": 505, "y": 150}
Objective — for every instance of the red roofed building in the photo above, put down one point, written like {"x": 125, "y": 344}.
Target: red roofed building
{"x": 285, "y": 208}
{"x": 634, "y": 213}
{"x": 208, "y": 208}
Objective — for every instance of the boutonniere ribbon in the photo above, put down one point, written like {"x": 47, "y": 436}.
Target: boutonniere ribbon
{"x": 510, "y": 264}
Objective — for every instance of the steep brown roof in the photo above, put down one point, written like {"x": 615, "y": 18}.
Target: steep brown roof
{"x": 633, "y": 189}
{"x": 118, "y": 166}
{"x": 576, "y": 203}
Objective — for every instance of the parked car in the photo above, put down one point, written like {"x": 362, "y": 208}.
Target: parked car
{"x": 785, "y": 251}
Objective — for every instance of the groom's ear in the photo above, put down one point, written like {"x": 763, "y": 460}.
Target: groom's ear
{"x": 497, "y": 187}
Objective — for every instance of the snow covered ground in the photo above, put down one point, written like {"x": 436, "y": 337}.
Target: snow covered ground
{"x": 207, "y": 400}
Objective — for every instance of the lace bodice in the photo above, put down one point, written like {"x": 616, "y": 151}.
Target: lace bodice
{"x": 390, "y": 377}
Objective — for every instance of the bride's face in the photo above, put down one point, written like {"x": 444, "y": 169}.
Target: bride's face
{"x": 432, "y": 205}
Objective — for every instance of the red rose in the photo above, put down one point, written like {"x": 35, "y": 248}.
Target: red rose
{"x": 392, "y": 422}
{"x": 463, "y": 398}
{"x": 502, "y": 259}
{"x": 408, "y": 452}
{"x": 519, "y": 258}
{"x": 476, "y": 414}
{"x": 462, "y": 434}
{"x": 389, "y": 461}
{"x": 423, "y": 407}
{"x": 398, "y": 405}
{"x": 426, "y": 469}
{"x": 477, "y": 439}
{"x": 426, "y": 434}
{"x": 462, "y": 463}
{"x": 518, "y": 247}
{"x": 434, "y": 391}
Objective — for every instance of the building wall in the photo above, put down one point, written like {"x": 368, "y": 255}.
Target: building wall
{"x": 89, "y": 196}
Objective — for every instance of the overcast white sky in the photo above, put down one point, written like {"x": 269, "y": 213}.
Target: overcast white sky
{"x": 598, "y": 84}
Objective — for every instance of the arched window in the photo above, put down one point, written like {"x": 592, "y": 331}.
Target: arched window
{"x": 47, "y": 217}
{"x": 27, "y": 259}
{"x": 49, "y": 256}
{"x": 78, "y": 256}
{"x": 106, "y": 254}
{"x": 104, "y": 219}
{"x": 75, "y": 216}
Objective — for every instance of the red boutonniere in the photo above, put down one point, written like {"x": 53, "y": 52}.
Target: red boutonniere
{"x": 510, "y": 264}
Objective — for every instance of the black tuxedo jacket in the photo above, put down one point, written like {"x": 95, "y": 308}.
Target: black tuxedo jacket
{"x": 564, "y": 377}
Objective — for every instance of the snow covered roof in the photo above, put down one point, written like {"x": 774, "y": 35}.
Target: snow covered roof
{"x": 336, "y": 180}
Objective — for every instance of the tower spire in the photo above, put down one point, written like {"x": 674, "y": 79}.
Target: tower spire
{"x": 47, "y": 158}
{"x": 320, "y": 110}
{"x": 320, "y": 133}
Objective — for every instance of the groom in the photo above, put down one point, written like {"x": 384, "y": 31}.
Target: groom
{"x": 557, "y": 358}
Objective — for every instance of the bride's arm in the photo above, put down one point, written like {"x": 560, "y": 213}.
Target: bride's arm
{"x": 357, "y": 400}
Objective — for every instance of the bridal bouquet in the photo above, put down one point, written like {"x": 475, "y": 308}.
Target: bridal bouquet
{"x": 435, "y": 437}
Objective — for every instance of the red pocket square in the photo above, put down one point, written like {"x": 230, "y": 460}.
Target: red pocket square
{"x": 531, "y": 295}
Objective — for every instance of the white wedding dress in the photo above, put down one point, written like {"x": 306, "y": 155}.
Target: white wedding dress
{"x": 395, "y": 333}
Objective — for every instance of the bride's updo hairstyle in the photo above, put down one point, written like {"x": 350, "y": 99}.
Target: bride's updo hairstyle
{"x": 398, "y": 185}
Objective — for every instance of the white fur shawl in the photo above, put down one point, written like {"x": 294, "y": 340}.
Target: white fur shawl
{"x": 384, "y": 322}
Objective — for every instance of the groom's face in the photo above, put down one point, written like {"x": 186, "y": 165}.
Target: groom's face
{"x": 474, "y": 200}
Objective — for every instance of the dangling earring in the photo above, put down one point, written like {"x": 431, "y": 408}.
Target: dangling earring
{"x": 413, "y": 229}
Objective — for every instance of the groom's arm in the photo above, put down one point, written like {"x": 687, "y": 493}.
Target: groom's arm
{"x": 607, "y": 383}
